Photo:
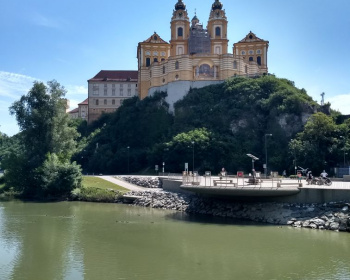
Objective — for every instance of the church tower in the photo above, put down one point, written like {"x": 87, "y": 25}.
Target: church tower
{"x": 180, "y": 27}
{"x": 217, "y": 29}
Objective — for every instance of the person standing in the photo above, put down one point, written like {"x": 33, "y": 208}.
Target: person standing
{"x": 284, "y": 173}
{"x": 299, "y": 177}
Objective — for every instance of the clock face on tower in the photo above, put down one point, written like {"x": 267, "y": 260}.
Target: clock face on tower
{"x": 180, "y": 15}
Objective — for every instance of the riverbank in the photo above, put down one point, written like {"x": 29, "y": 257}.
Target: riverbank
{"x": 326, "y": 216}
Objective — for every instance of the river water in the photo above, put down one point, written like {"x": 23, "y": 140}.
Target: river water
{"x": 92, "y": 241}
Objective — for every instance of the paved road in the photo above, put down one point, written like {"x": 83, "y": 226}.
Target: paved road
{"x": 124, "y": 184}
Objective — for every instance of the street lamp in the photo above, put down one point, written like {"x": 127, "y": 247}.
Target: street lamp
{"x": 342, "y": 137}
{"x": 128, "y": 159}
{"x": 193, "y": 157}
{"x": 266, "y": 154}
{"x": 254, "y": 158}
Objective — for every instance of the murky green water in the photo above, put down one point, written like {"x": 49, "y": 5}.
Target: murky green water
{"x": 71, "y": 240}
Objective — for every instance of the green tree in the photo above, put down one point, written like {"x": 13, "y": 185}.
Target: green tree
{"x": 316, "y": 147}
{"x": 47, "y": 140}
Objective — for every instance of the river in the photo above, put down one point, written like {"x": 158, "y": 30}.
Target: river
{"x": 93, "y": 241}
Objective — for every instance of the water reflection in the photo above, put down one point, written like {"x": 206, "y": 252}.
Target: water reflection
{"x": 109, "y": 241}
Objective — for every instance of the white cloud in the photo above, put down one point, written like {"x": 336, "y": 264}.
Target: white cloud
{"x": 340, "y": 102}
{"x": 71, "y": 89}
{"x": 44, "y": 21}
{"x": 13, "y": 85}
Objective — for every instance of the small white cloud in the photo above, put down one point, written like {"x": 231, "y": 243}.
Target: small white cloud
{"x": 72, "y": 89}
{"x": 340, "y": 103}
{"x": 44, "y": 21}
{"x": 13, "y": 85}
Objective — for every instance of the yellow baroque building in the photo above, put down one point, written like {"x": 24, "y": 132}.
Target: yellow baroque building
{"x": 196, "y": 57}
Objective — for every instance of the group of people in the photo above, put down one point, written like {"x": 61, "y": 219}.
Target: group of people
{"x": 309, "y": 175}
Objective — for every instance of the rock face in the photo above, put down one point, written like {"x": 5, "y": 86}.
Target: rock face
{"x": 146, "y": 182}
{"x": 330, "y": 216}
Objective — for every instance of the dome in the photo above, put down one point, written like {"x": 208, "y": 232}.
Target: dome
{"x": 180, "y": 5}
{"x": 217, "y": 5}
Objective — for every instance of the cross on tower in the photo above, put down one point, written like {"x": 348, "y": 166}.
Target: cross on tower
{"x": 322, "y": 101}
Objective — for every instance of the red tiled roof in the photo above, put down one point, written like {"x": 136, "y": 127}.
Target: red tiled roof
{"x": 113, "y": 75}
{"x": 76, "y": 110}
{"x": 85, "y": 102}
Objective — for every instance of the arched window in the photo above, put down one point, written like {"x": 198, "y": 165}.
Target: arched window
{"x": 180, "y": 32}
{"x": 251, "y": 58}
{"x": 235, "y": 64}
{"x": 155, "y": 59}
{"x": 105, "y": 101}
{"x": 163, "y": 69}
{"x": 180, "y": 50}
{"x": 217, "y": 31}
{"x": 176, "y": 65}
{"x": 258, "y": 60}
{"x": 148, "y": 61}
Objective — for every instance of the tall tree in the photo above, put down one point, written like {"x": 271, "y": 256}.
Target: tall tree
{"x": 48, "y": 143}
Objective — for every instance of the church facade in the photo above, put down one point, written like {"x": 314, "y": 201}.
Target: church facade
{"x": 196, "y": 56}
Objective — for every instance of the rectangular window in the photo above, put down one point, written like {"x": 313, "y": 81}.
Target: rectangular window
{"x": 113, "y": 85}
{"x": 95, "y": 89}
{"x": 121, "y": 85}
{"x": 105, "y": 92}
{"x": 121, "y": 92}
{"x": 113, "y": 92}
{"x": 105, "y": 85}
{"x": 129, "y": 92}
{"x": 129, "y": 86}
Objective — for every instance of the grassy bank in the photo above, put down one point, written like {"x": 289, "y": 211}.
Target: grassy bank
{"x": 98, "y": 190}
{"x": 93, "y": 190}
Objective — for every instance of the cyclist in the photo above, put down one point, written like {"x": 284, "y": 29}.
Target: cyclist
{"x": 324, "y": 174}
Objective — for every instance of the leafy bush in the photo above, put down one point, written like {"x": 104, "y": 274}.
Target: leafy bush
{"x": 56, "y": 178}
{"x": 92, "y": 194}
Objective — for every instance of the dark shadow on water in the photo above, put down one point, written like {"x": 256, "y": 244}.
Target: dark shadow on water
{"x": 209, "y": 219}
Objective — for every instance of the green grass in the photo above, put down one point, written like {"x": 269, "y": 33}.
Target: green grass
{"x": 97, "y": 190}
{"x": 94, "y": 182}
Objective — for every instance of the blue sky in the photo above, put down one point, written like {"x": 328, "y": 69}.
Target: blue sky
{"x": 71, "y": 41}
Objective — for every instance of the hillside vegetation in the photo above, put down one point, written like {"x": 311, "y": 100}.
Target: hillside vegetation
{"x": 215, "y": 127}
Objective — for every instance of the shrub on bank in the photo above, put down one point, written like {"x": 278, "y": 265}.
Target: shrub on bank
{"x": 93, "y": 194}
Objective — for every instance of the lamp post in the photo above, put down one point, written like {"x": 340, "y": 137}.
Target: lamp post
{"x": 193, "y": 157}
{"x": 343, "y": 137}
{"x": 344, "y": 157}
{"x": 128, "y": 147}
{"x": 269, "y": 134}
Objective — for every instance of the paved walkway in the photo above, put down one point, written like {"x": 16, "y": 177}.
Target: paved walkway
{"x": 125, "y": 184}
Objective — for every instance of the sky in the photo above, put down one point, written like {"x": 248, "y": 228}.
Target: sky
{"x": 70, "y": 41}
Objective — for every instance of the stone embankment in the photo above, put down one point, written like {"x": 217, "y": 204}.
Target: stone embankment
{"x": 146, "y": 182}
{"x": 329, "y": 216}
